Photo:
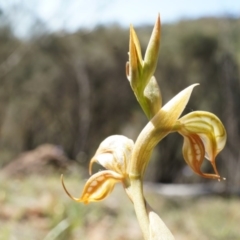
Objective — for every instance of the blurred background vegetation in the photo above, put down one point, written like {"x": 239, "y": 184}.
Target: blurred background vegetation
{"x": 70, "y": 90}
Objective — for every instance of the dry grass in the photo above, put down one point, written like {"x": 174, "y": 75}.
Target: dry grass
{"x": 36, "y": 207}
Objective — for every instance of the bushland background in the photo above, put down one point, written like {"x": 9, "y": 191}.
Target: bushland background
{"x": 62, "y": 93}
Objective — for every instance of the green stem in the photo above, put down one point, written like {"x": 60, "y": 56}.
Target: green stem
{"x": 140, "y": 206}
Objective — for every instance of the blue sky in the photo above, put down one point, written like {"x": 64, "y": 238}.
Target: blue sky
{"x": 74, "y": 14}
{"x": 89, "y": 13}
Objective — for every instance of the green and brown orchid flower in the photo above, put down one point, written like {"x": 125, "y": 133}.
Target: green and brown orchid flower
{"x": 125, "y": 161}
{"x": 114, "y": 154}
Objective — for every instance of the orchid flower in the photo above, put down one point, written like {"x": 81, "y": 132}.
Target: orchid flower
{"x": 125, "y": 161}
{"x": 114, "y": 153}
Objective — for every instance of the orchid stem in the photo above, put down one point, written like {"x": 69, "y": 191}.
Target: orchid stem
{"x": 140, "y": 206}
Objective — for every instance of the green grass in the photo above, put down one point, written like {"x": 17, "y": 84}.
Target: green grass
{"x": 36, "y": 207}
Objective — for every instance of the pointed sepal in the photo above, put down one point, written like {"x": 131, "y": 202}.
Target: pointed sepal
{"x": 135, "y": 64}
{"x": 152, "y": 52}
{"x": 160, "y": 125}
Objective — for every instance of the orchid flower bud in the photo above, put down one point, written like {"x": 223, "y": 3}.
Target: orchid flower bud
{"x": 140, "y": 72}
{"x": 153, "y": 97}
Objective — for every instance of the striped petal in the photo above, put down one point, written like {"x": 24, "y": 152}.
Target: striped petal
{"x": 205, "y": 132}
{"x": 98, "y": 186}
{"x": 193, "y": 153}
